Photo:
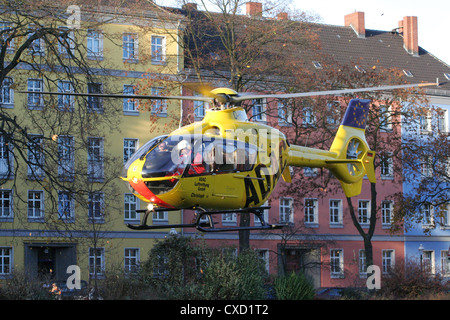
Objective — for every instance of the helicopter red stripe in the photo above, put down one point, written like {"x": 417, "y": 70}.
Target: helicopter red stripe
{"x": 142, "y": 189}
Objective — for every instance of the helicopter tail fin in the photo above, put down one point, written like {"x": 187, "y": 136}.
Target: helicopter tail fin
{"x": 351, "y": 147}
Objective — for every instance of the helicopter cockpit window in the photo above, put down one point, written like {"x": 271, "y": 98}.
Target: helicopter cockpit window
{"x": 215, "y": 156}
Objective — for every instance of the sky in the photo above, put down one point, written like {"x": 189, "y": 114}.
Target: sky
{"x": 432, "y": 16}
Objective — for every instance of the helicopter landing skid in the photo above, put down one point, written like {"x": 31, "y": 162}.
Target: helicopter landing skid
{"x": 208, "y": 226}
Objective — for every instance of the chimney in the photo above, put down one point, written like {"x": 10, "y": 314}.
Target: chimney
{"x": 356, "y": 21}
{"x": 282, "y": 16}
{"x": 253, "y": 9}
{"x": 410, "y": 34}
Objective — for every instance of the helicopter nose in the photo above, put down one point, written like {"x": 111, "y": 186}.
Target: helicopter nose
{"x": 139, "y": 186}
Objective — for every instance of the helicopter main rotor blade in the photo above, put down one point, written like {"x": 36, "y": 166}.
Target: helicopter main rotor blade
{"x": 124, "y": 96}
{"x": 329, "y": 92}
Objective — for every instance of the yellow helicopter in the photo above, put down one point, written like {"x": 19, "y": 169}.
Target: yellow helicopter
{"x": 228, "y": 164}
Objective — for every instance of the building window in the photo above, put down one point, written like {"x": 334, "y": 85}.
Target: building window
{"x": 426, "y": 167}
{"x": 337, "y": 263}
{"x": 386, "y": 212}
{"x": 265, "y": 215}
{"x": 286, "y": 210}
{"x": 158, "y": 49}
{"x": 35, "y": 100}
{"x": 6, "y": 30}
{"x": 425, "y": 123}
{"x": 6, "y": 208}
{"x": 130, "y": 207}
{"x": 96, "y": 207}
{"x": 445, "y": 263}
{"x": 258, "y": 110}
{"x": 441, "y": 120}
{"x": 66, "y": 42}
{"x": 37, "y": 47}
{"x": 445, "y": 215}
{"x": 334, "y": 113}
{"x": 284, "y": 114}
{"x": 311, "y": 211}
{"x": 388, "y": 260}
{"x": 6, "y": 258}
{"x": 66, "y": 205}
{"x": 426, "y": 211}
{"x": 308, "y": 119}
{"x": 159, "y": 106}
{"x": 66, "y": 159}
{"x": 129, "y": 148}
{"x": 94, "y": 104}
{"x": 428, "y": 261}
{"x": 130, "y": 47}
{"x": 199, "y": 107}
{"x": 94, "y": 44}
{"x": 35, "y": 205}
{"x": 132, "y": 260}
{"x": 386, "y": 166}
{"x": 264, "y": 255}
{"x": 335, "y": 212}
{"x": 160, "y": 216}
{"x": 95, "y": 159}
{"x": 130, "y": 106}
{"x": 96, "y": 262}
{"x": 35, "y": 157}
{"x": 385, "y": 118}
{"x": 65, "y": 102}
{"x": 229, "y": 218}
{"x": 7, "y": 93}
{"x": 6, "y": 158}
{"x": 363, "y": 211}
{"x": 362, "y": 263}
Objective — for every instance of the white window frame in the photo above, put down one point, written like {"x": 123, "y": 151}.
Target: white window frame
{"x": 96, "y": 158}
{"x": 6, "y": 204}
{"x": 130, "y": 106}
{"x": 66, "y": 205}
{"x": 311, "y": 211}
{"x": 6, "y": 158}
{"x": 387, "y": 166}
{"x": 130, "y": 207}
{"x": 96, "y": 262}
{"x": 385, "y": 118}
{"x": 387, "y": 212}
{"x": 426, "y": 211}
{"x": 129, "y": 150}
{"x": 160, "y": 217}
{"x": 388, "y": 260}
{"x": 364, "y": 212}
{"x": 6, "y": 261}
{"x": 65, "y": 102}
{"x": 158, "y": 50}
{"x": 7, "y": 93}
{"x": 96, "y": 210}
{"x": 308, "y": 117}
{"x": 335, "y": 212}
{"x": 284, "y": 114}
{"x": 159, "y": 107}
{"x": 428, "y": 261}
{"x": 130, "y": 46}
{"x": 95, "y": 104}
{"x": 35, "y": 100}
{"x": 336, "y": 263}
{"x": 66, "y": 47}
{"x": 132, "y": 260}
{"x": 66, "y": 157}
{"x": 362, "y": 263}
{"x": 37, "y": 47}
{"x": 35, "y": 206}
{"x": 35, "y": 157}
{"x": 229, "y": 218}
{"x": 445, "y": 263}
{"x": 259, "y": 110}
{"x": 94, "y": 44}
{"x": 286, "y": 210}
{"x": 426, "y": 166}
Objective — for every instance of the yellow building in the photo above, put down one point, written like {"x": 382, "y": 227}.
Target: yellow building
{"x": 61, "y": 200}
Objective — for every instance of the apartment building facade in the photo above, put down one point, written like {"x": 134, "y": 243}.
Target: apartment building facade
{"x": 133, "y": 54}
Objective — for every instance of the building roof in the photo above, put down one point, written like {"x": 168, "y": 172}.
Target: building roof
{"x": 383, "y": 49}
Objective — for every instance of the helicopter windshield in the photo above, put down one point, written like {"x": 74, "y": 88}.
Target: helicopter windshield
{"x": 196, "y": 155}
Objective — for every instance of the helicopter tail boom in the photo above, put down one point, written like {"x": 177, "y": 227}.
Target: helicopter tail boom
{"x": 349, "y": 158}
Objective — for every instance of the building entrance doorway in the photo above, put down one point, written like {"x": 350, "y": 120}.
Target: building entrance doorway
{"x": 46, "y": 262}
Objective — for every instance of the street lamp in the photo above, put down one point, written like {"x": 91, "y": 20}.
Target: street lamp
{"x": 421, "y": 256}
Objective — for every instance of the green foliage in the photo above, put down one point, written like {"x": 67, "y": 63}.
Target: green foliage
{"x": 294, "y": 286}
{"x": 179, "y": 268}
